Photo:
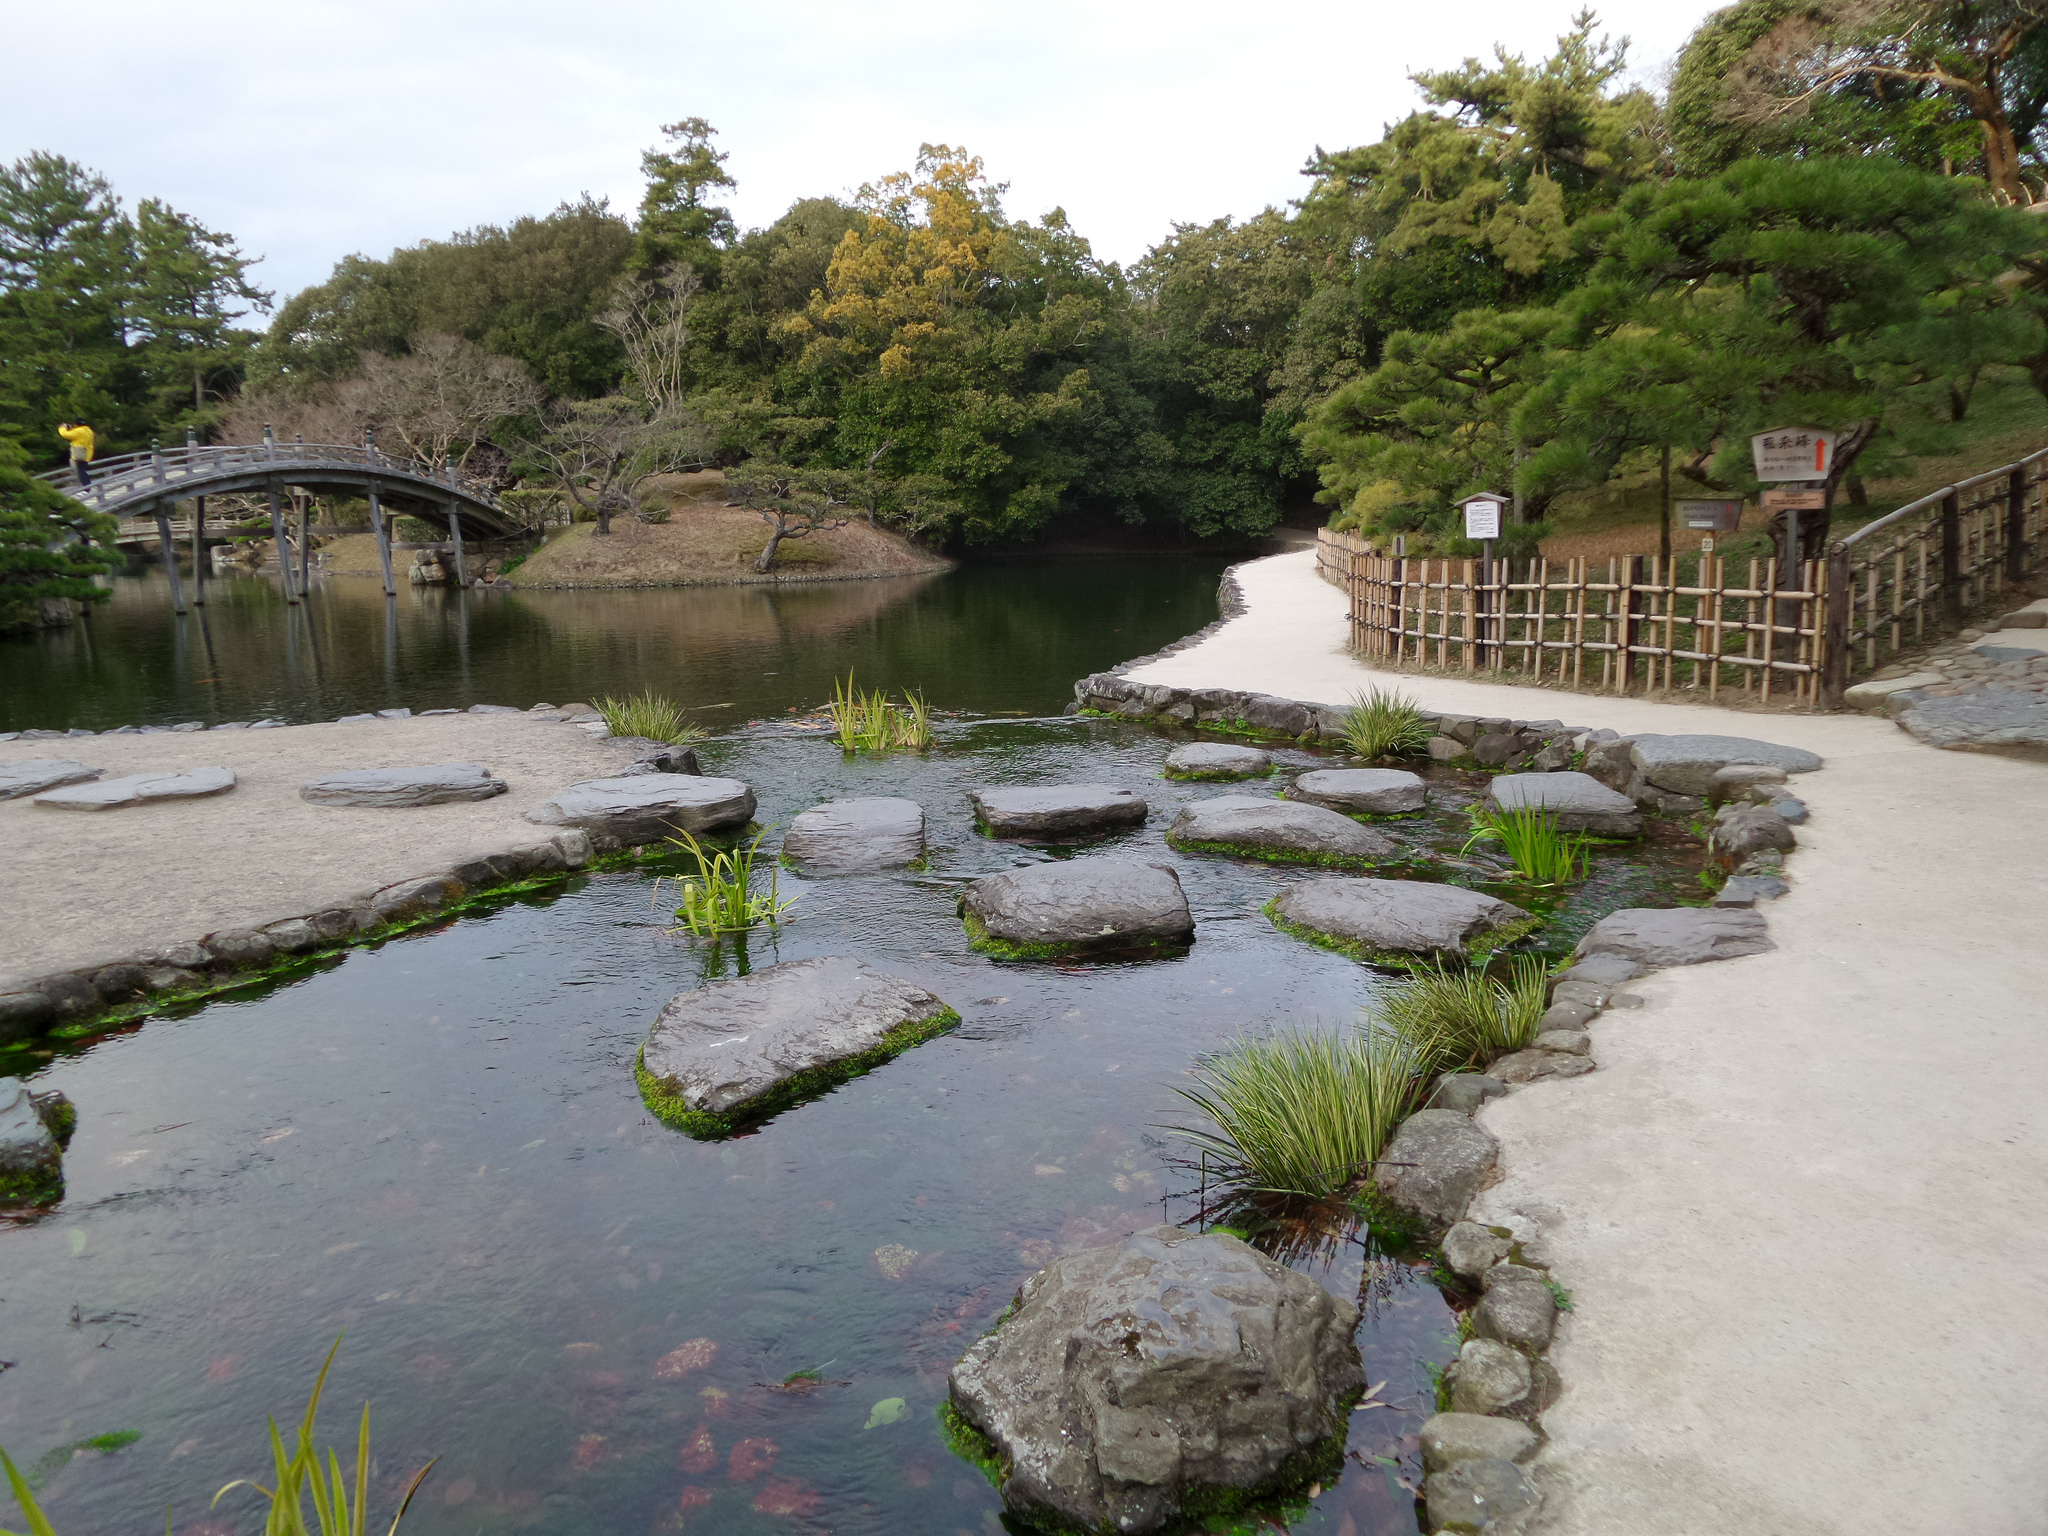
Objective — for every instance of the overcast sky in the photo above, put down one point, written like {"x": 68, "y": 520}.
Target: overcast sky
{"x": 321, "y": 127}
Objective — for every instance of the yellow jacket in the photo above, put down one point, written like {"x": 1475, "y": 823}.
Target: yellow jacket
{"x": 80, "y": 439}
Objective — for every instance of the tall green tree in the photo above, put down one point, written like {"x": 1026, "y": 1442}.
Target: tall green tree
{"x": 190, "y": 285}
{"x": 51, "y": 548}
{"x": 678, "y": 220}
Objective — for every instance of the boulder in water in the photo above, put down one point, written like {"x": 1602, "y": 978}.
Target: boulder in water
{"x": 1217, "y": 760}
{"x": 1077, "y": 904}
{"x": 1397, "y": 920}
{"x": 1280, "y": 831}
{"x": 627, "y": 811}
{"x": 1375, "y": 791}
{"x": 847, "y": 836}
{"x": 1056, "y": 810}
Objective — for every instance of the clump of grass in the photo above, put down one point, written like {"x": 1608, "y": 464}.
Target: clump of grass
{"x": 1386, "y": 724}
{"x": 1300, "y": 1111}
{"x": 869, "y": 722}
{"x": 650, "y": 716}
{"x": 720, "y": 897}
{"x": 1449, "y": 1020}
{"x": 1529, "y": 836}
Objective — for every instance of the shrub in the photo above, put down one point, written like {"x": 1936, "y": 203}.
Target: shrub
{"x": 650, "y": 716}
{"x": 1449, "y": 1020}
{"x": 719, "y": 898}
{"x": 1384, "y": 724}
{"x": 1541, "y": 854}
{"x": 1300, "y": 1111}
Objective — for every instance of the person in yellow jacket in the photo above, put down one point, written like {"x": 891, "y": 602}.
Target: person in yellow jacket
{"x": 79, "y": 436}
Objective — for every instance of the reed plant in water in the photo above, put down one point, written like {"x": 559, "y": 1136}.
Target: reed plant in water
{"x": 1299, "y": 1111}
{"x": 295, "y": 1476}
{"x": 1448, "y": 1020}
{"x": 869, "y": 722}
{"x": 1386, "y": 724}
{"x": 720, "y": 897}
{"x": 650, "y": 716}
{"x": 1529, "y": 836}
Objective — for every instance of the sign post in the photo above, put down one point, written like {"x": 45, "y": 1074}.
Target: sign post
{"x": 1795, "y": 454}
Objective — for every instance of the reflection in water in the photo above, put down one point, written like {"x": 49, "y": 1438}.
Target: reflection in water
{"x": 994, "y": 638}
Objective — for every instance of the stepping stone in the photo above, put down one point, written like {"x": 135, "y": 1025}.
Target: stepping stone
{"x": 495, "y": 709}
{"x": 1654, "y": 936}
{"x": 140, "y": 789}
{"x": 1144, "y": 1378}
{"x": 1397, "y": 919}
{"x": 732, "y": 1052}
{"x": 1379, "y": 791}
{"x": 33, "y": 775}
{"x": 1215, "y": 760}
{"x": 1580, "y": 802}
{"x": 848, "y": 836}
{"x": 1076, "y": 904}
{"x": 434, "y": 784}
{"x": 1872, "y": 694}
{"x": 1685, "y": 765}
{"x": 2008, "y": 722}
{"x": 31, "y": 1160}
{"x": 1278, "y": 830}
{"x": 1055, "y": 810}
{"x": 647, "y": 807}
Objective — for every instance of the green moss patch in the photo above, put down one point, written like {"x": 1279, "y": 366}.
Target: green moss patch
{"x": 982, "y": 942}
{"x": 971, "y": 1445}
{"x": 1476, "y": 952}
{"x": 31, "y": 1188}
{"x": 1218, "y": 778}
{"x": 709, "y": 1125}
{"x": 1275, "y": 856}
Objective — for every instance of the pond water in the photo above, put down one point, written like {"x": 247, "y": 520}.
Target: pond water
{"x": 1003, "y": 636}
{"x": 436, "y": 1143}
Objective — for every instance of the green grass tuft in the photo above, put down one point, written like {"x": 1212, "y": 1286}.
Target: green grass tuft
{"x": 1385, "y": 724}
{"x": 869, "y": 722}
{"x": 1541, "y": 854}
{"x": 1451, "y": 1020}
{"x": 649, "y": 716}
{"x": 720, "y": 898}
{"x": 1300, "y": 1111}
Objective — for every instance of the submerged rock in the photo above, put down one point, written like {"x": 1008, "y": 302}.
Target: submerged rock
{"x": 1215, "y": 760}
{"x": 1141, "y": 1377}
{"x": 647, "y": 807}
{"x": 430, "y": 784}
{"x": 1396, "y": 918}
{"x": 1279, "y": 830}
{"x": 1077, "y": 904}
{"x": 847, "y": 836}
{"x": 1056, "y": 810}
{"x": 1580, "y": 802}
{"x": 731, "y": 1052}
{"x": 1378, "y": 791}
{"x": 1686, "y": 765}
{"x": 31, "y": 1161}
{"x": 1655, "y": 936}
{"x": 33, "y": 775}
{"x": 140, "y": 789}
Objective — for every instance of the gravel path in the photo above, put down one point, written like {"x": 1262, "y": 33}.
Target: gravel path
{"x": 1798, "y": 1205}
{"x": 84, "y": 888}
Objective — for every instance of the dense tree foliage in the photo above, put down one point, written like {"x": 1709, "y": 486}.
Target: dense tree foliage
{"x": 51, "y": 548}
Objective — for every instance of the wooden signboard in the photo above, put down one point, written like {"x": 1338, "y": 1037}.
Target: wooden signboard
{"x": 1482, "y": 517}
{"x": 1711, "y": 516}
{"x": 1793, "y": 501}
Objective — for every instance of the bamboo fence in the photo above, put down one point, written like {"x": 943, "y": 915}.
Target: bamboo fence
{"x": 1630, "y": 625}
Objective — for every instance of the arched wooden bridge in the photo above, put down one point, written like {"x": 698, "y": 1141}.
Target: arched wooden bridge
{"x": 136, "y": 485}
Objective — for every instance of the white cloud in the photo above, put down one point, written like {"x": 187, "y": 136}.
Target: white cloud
{"x": 312, "y": 130}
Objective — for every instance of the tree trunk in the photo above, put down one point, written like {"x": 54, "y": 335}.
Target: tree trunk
{"x": 768, "y": 554}
{"x": 2002, "y": 157}
{"x": 604, "y": 522}
{"x": 1664, "y": 521}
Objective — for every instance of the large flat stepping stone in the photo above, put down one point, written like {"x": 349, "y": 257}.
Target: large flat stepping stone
{"x": 847, "y": 836}
{"x": 1377, "y": 791}
{"x": 1686, "y": 765}
{"x": 1397, "y": 919}
{"x": 139, "y": 789}
{"x": 732, "y": 1052}
{"x": 2008, "y": 722}
{"x": 1056, "y": 810}
{"x": 1216, "y": 760}
{"x": 1654, "y": 936}
{"x": 33, "y": 775}
{"x": 1279, "y": 830}
{"x": 648, "y": 807}
{"x": 1580, "y": 802}
{"x": 1077, "y": 904}
{"x": 433, "y": 784}
{"x": 1151, "y": 1377}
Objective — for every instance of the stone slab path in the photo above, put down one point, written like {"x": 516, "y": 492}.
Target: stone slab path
{"x": 87, "y": 889}
{"x": 1798, "y": 1207}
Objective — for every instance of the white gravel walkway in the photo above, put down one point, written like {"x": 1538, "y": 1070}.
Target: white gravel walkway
{"x": 1800, "y": 1206}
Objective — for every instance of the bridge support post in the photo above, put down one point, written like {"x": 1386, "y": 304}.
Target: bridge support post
{"x": 306, "y": 544}
{"x": 163, "y": 533}
{"x": 455, "y": 533}
{"x": 284, "y": 553}
{"x": 383, "y": 533}
{"x": 199, "y": 552}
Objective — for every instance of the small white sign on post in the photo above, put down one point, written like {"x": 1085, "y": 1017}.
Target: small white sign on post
{"x": 1793, "y": 453}
{"x": 1482, "y": 516}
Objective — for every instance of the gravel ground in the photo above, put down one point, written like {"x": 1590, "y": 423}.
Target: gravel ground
{"x": 85, "y": 888}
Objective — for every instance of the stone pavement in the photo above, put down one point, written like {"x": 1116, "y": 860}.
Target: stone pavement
{"x": 1798, "y": 1206}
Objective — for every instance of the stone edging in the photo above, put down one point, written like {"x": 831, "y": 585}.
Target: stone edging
{"x": 1439, "y": 1159}
{"x": 1230, "y": 603}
